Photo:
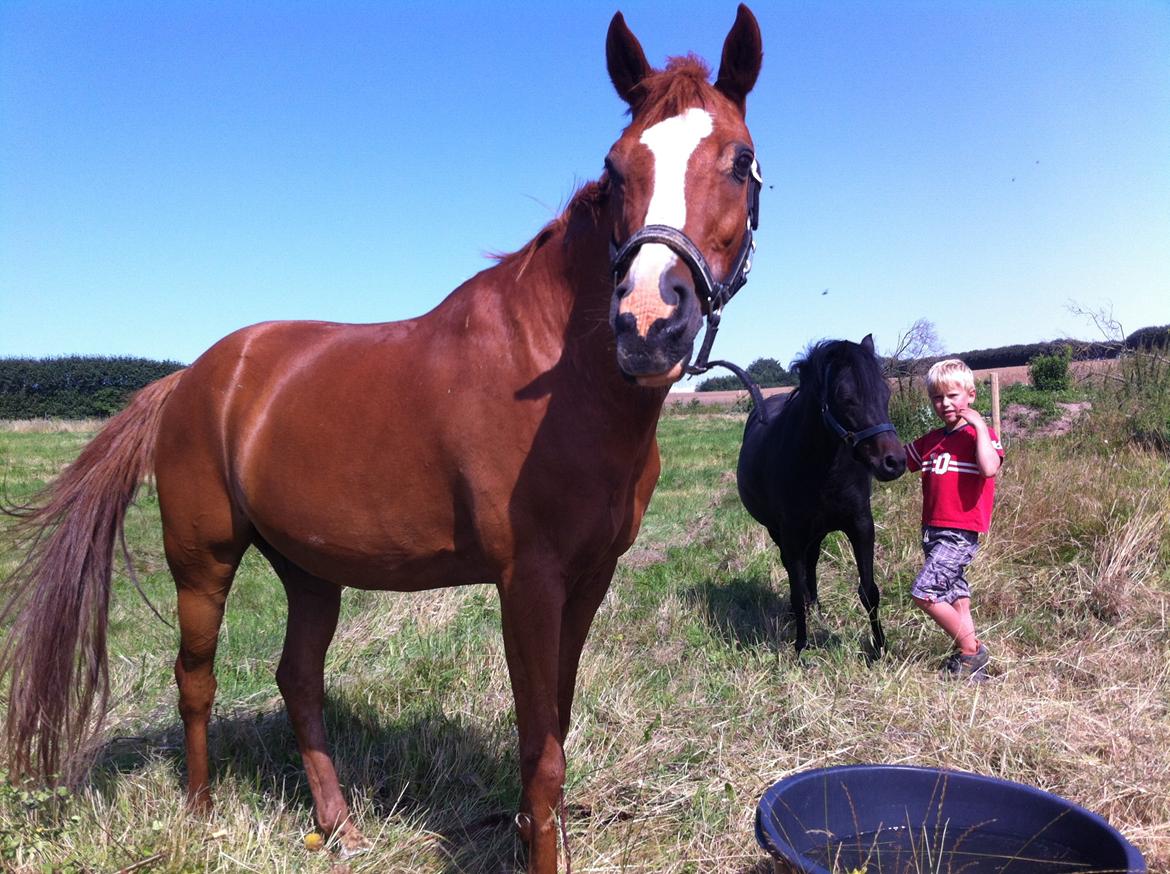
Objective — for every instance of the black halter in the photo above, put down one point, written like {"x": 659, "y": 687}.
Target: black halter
{"x": 851, "y": 438}
{"x": 717, "y": 293}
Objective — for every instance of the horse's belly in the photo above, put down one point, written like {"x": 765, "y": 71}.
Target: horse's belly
{"x": 368, "y": 524}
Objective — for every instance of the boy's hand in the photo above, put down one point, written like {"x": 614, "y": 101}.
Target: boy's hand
{"x": 970, "y": 414}
{"x": 988, "y": 458}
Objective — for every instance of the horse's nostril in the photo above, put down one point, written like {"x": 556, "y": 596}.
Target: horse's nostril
{"x": 623, "y": 290}
{"x": 679, "y": 291}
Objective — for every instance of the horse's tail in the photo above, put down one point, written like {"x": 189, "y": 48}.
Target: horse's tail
{"x": 54, "y": 651}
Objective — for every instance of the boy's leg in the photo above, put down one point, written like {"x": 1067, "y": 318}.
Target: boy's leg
{"x": 955, "y": 620}
{"x": 963, "y": 608}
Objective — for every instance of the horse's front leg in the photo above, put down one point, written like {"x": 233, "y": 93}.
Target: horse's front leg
{"x": 577, "y": 618}
{"x": 861, "y": 538}
{"x": 531, "y": 605}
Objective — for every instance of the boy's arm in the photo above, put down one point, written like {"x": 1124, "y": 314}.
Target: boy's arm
{"x": 913, "y": 459}
{"x": 989, "y": 459}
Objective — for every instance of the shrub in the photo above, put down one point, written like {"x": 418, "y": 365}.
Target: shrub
{"x": 1049, "y": 372}
{"x": 910, "y": 411}
{"x": 1133, "y": 405}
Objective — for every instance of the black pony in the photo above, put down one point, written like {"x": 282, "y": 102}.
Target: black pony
{"x": 806, "y": 470}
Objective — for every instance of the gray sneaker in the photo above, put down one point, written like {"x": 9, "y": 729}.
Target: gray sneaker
{"x": 967, "y": 667}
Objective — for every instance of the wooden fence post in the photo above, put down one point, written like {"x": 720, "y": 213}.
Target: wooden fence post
{"x": 995, "y": 403}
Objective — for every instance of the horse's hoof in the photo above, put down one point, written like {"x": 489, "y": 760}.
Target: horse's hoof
{"x": 524, "y": 827}
{"x": 352, "y": 843}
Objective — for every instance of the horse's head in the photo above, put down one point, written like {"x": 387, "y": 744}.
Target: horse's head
{"x": 855, "y": 405}
{"x": 682, "y": 180}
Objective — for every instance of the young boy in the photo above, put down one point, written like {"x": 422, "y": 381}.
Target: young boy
{"x": 958, "y": 462}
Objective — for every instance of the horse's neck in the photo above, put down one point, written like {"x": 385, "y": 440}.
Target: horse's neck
{"x": 557, "y": 297}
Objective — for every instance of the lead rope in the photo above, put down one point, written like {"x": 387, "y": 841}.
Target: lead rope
{"x": 702, "y": 365}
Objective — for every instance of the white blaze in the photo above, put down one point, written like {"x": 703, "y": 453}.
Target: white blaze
{"x": 672, "y": 143}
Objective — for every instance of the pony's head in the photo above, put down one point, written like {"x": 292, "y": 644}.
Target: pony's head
{"x": 682, "y": 180}
{"x": 854, "y": 397}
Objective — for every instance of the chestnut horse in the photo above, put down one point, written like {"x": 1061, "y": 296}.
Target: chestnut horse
{"x": 506, "y": 437}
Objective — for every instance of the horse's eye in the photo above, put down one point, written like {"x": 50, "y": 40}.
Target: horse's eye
{"x": 743, "y": 165}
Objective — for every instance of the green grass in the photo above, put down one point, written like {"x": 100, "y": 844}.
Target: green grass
{"x": 690, "y": 700}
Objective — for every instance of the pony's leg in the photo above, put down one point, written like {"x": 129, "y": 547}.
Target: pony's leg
{"x": 794, "y": 563}
{"x": 812, "y": 555}
{"x": 861, "y": 538}
{"x": 203, "y": 580}
{"x": 313, "y": 607}
{"x": 532, "y": 605}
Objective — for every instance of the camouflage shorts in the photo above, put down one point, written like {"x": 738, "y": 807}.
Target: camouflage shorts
{"x": 948, "y": 552}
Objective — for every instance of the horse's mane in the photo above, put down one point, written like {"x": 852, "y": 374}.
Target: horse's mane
{"x": 586, "y": 201}
{"x": 663, "y": 94}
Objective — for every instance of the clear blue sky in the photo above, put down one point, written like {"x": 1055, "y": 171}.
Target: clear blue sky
{"x": 170, "y": 171}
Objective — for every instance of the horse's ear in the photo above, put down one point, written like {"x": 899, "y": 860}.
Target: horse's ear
{"x": 625, "y": 60}
{"x": 867, "y": 344}
{"x": 743, "y": 53}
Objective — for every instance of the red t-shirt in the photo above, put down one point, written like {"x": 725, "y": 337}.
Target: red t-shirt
{"x": 955, "y": 494}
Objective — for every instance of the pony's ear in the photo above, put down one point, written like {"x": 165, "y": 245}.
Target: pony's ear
{"x": 743, "y": 53}
{"x": 867, "y": 344}
{"x": 625, "y": 60}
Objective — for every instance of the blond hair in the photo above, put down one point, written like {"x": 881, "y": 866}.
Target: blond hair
{"x": 950, "y": 372}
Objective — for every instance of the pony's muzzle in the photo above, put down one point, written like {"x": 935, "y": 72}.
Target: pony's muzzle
{"x": 885, "y": 456}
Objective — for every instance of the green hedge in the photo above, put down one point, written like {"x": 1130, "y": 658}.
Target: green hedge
{"x": 767, "y": 372}
{"x": 73, "y": 387}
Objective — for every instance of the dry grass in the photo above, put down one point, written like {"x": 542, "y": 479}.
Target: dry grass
{"x": 51, "y": 426}
{"x": 690, "y": 701}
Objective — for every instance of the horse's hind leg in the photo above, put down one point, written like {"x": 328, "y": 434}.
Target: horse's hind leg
{"x": 313, "y": 607}
{"x": 203, "y": 578}
{"x": 861, "y": 538}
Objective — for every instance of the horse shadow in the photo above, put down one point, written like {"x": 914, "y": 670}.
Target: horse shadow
{"x": 407, "y": 771}
{"x": 752, "y": 613}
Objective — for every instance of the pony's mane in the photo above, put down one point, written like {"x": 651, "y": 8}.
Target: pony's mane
{"x": 812, "y": 366}
{"x": 665, "y": 93}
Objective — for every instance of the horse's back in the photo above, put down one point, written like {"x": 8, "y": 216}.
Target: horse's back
{"x": 332, "y": 441}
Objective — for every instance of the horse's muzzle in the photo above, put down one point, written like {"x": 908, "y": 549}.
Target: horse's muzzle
{"x": 657, "y": 355}
{"x": 655, "y": 318}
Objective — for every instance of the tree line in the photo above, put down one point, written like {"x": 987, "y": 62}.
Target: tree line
{"x": 74, "y": 386}
{"x": 82, "y": 387}
{"x": 768, "y": 372}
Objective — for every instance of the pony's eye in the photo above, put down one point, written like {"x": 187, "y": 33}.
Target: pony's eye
{"x": 743, "y": 165}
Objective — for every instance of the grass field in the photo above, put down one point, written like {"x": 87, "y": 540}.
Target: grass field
{"x": 690, "y": 699}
